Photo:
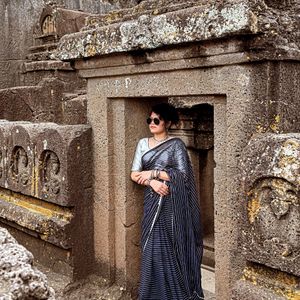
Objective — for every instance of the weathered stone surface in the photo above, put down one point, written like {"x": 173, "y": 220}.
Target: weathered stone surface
{"x": 271, "y": 181}
{"x": 18, "y": 21}
{"x": 152, "y": 7}
{"x": 24, "y": 281}
{"x": 20, "y": 160}
{"x": 46, "y": 254}
{"x": 260, "y": 282}
{"x": 148, "y": 32}
{"x": 146, "y": 27}
{"x": 48, "y": 222}
{"x": 60, "y": 150}
{"x": 41, "y": 103}
{"x": 74, "y": 107}
{"x": 42, "y": 160}
{"x": 2, "y": 158}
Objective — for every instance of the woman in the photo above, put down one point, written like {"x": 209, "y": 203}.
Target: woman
{"x": 171, "y": 230}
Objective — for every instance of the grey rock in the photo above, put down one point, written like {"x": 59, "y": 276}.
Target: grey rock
{"x": 18, "y": 278}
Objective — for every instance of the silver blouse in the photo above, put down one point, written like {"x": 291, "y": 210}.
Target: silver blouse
{"x": 141, "y": 148}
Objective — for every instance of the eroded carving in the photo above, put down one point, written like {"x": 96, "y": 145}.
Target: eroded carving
{"x": 48, "y": 25}
{"x": 274, "y": 214}
{"x": 271, "y": 181}
{"x": 1, "y": 164}
{"x": 19, "y": 165}
{"x": 50, "y": 173}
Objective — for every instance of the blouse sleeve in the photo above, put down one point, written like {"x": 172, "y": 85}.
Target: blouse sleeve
{"x": 137, "y": 160}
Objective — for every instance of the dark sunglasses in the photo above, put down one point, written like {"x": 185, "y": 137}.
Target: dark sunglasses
{"x": 155, "y": 120}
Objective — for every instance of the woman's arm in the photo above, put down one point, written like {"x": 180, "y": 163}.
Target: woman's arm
{"x": 135, "y": 175}
{"x": 144, "y": 176}
{"x": 158, "y": 186}
{"x": 163, "y": 175}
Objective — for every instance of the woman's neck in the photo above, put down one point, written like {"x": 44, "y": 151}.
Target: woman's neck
{"x": 160, "y": 136}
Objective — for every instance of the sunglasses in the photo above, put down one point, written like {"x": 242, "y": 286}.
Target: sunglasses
{"x": 156, "y": 121}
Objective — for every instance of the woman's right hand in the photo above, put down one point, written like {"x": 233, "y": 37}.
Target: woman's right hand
{"x": 159, "y": 187}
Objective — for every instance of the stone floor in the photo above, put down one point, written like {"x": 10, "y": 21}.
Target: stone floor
{"x": 96, "y": 289}
{"x": 208, "y": 284}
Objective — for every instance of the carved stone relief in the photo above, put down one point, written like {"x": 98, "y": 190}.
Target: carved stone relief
{"x": 271, "y": 181}
{"x": 1, "y": 164}
{"x": 274, "y": 214}
{"x": 50, "y": 173}
{"x": 19, "y": 166}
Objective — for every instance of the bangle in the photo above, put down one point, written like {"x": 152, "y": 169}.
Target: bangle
{"x": 152, "y": 174}
{"x": 148, "y": 181}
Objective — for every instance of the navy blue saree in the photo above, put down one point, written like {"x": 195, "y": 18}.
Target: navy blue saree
{"x": 171, "y": 229}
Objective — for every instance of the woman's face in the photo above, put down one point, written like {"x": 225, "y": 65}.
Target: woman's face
{"x": 157, "y": 129}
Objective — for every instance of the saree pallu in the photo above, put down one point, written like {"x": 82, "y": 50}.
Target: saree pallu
{"x": 171, "y": 229}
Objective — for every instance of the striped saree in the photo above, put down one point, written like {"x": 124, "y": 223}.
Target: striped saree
{"x": 171, "y": 230}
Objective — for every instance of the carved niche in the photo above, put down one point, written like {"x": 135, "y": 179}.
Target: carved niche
{"x": 19, "y": 166}
{"x": 48, "y": 25}
{"x": 271, "y": 178}
{"x": 50, "y": 173}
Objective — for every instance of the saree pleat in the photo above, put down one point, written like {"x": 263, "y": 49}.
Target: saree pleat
{"x": 171, "y": 234}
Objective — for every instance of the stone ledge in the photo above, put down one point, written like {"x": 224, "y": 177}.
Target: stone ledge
{"x": 49, "y": 221}
{"x": 46, "y": 65}
{"x": 204, "y": 22}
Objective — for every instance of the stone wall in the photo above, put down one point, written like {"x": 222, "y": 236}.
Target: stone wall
{"x": 18, "y": 20}
{"x": 45, "y": 198}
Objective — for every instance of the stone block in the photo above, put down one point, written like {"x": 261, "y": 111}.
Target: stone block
{"x": 43, "y": 160}
{"x": 261, "y": 282}
{"x": 271, "y": 182}
{"x": 60, "y": 155}
{"x": 46, "y": 221}
{"x": 150, "y": 31}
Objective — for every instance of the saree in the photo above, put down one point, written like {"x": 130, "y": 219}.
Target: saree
{"x": 171, "y": 229}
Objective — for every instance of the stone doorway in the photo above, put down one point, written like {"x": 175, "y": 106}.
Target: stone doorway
{"x": 117, "y": 109}
{"x": 196, "y": 128}
{"x": 127, "y": 125}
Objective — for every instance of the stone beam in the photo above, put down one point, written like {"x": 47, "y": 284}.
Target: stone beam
{"x": 199, "y": 23}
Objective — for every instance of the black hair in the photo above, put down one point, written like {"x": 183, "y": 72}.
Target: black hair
{"x": 167, "y": 112}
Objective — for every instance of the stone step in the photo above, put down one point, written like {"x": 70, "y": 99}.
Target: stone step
{"x": 45, "y": 55}
{"x": 46, "y": 65}
{"x": 208, "y": 283}
{"x": 43, "y": 48}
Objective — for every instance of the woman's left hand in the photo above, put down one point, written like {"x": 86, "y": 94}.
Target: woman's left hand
{"x": 143, "y": 177}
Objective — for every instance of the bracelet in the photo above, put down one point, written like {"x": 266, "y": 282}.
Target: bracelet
{"x": 152, "y": 174}
{"x": 155, "y": 174}
{"x": 149, "y": 180}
